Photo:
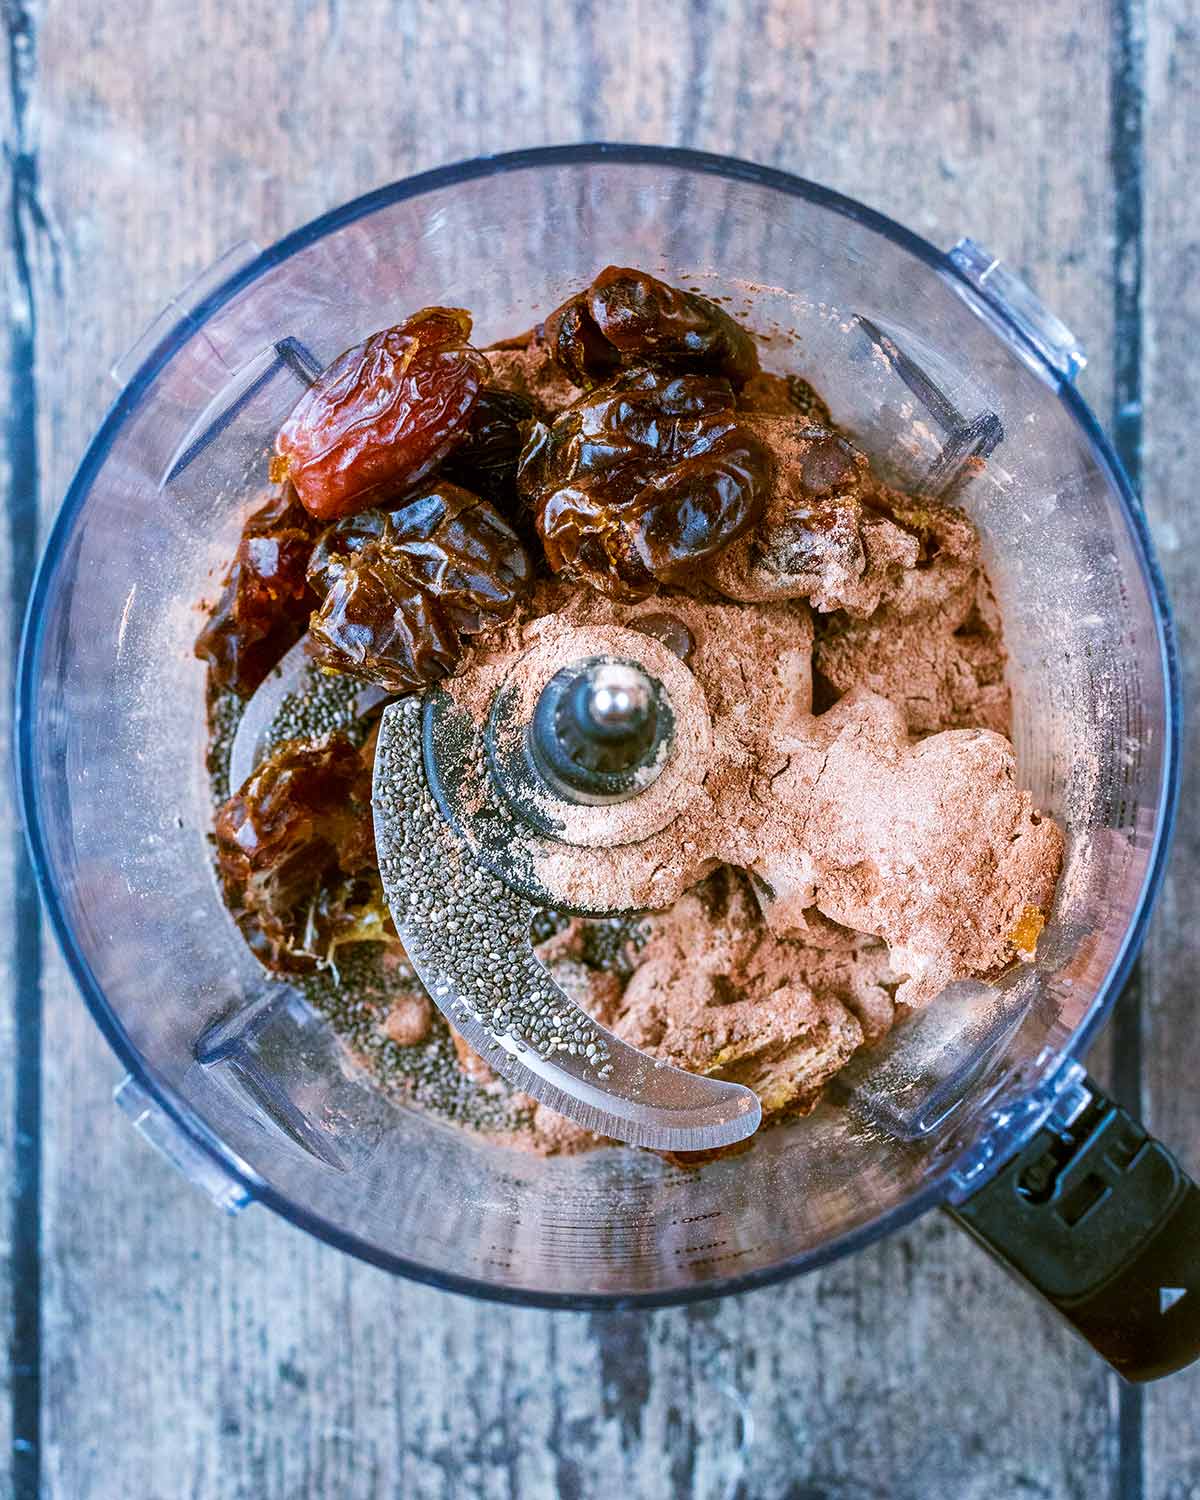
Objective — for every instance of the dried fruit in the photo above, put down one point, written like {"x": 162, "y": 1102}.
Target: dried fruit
{"x": 669, "y": 629}
{"x": 486, "y": 460}
{"x": 296, "y": 855}
{"x": 383, "y": 414}
{"x": 403, "y": 587}
{"x": 643, "y": 480}
{"x": 829, "y": 464}
{"x": 1024, "y": 936}
{"x": 627, "y": 317}
{"x": 265, "y": 604}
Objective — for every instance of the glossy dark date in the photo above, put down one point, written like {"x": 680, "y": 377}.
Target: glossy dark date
{"x": 486, "y": 460}
{"x": 292, "y": 843}
{"x": 643, "y": 480}
{"x": 627, "y": 317}
{"x": 403, "y": 587}
{"x": 266, "y": 601}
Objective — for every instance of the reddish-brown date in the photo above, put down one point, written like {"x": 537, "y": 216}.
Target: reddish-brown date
{"x": 383, "y": 414}
{"x": 627, "y": 317}
{"x": 403, "y": 587}
{"x": 298, "y": 828}
{"x": 643, "y": 480}
{"x": 266, "y": 601}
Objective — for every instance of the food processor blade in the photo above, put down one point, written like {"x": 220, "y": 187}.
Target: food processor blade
{"x": 467, "y": 935}
{"x": 297, "y": 677}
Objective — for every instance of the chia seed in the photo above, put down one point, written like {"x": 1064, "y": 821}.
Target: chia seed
{"x": 328, "y": 701}
{"x": 611, "y": 944}
{"x": 356, "y": 1002}
{"x": 356, "y": 997}
{"x": 225, "y": 711}
{"x": 547, "y": 924}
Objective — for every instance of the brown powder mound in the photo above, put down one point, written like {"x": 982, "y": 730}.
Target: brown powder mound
{"x": 749, "y": 660}
{"x": 713, "y": 990}
{"x": 785, "y": 1047}
{"x": 710, "y": 988}
{"x": 526, "y": 366}
{"x": 856, "y": 966}
{"x": 754, "y": 666}
{"x": 944, "y": 669}
{"x": 716, "y": 992}
{"x": 930, "y": 846}
{"x": 948, "y": 560}
{"x": 817, "y": 539}
{"x": 833, "y": 534}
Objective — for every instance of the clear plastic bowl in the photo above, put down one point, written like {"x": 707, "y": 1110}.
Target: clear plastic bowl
{"x": 926, "y": 357}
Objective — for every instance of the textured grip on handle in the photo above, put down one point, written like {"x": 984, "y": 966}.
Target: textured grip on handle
{"x": 1102, "y": 1220}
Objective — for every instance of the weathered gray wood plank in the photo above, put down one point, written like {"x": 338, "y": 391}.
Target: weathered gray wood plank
{"x": 1172, "y": 1037}
{"x": 188, "y": 1355}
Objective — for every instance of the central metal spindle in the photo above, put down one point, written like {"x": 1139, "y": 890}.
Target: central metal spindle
{"x": 601, "y": 730}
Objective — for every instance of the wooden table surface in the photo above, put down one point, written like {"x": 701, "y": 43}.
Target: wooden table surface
{"x": 160, "y": 1350}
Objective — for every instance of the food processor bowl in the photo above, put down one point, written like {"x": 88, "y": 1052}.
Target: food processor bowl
{"x": 933, "y": 361}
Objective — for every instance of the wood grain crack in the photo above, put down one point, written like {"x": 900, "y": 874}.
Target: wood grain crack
{"x": 25, "y": 219}
{"x": 1127, "y": 156}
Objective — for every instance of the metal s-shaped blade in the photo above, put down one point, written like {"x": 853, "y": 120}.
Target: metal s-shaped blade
{"x": 468, "y": 937}
{"x": 295, "y": 699}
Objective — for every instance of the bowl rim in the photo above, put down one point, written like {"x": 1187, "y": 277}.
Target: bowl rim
{"x": 184, "y": 1118}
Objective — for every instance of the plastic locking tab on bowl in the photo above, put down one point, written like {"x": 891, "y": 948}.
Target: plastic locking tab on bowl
{"x": 168, "y": 1137}
{"x": 1003, "y": 291}
{"x": 182, "y": 308}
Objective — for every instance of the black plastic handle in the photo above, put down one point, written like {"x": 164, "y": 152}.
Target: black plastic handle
{"x": 1103, "y": 1221}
